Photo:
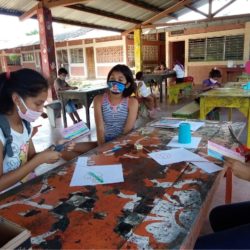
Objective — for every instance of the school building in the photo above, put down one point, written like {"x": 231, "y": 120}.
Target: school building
{"x": 226, "y": 47}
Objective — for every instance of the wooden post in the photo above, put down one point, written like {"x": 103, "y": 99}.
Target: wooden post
{"x": 138, "y": 50}
{"x": 47, "y": 47}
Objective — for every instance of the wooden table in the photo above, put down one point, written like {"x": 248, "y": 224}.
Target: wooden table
{"x": 159, "y": 78}
{"x": 226, "y": 98}
{"x": 84, "y": 95}
{"x": 157, "y": 207}
{"x": 174, "y": 90}
{"x": 234, "y": 84}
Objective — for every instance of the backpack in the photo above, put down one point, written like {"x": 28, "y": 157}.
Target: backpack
{"x": 5, "y": 126}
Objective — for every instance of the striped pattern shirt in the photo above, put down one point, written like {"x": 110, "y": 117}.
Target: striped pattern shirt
{"x": 114, "y": 117}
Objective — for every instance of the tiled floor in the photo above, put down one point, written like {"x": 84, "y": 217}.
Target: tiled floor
{"x": 48, "y": 135}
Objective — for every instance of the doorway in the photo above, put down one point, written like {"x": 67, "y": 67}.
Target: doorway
{"x": 176, "y": 52}
{"x": 90, "y": 62}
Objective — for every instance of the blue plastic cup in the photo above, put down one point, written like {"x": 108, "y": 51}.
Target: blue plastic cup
{"x": 184, "y": 133}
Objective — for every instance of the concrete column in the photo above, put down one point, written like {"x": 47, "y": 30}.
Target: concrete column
{"x": 247, "y": 42}
{"x": 47, "y": 47}
{"x": 138, "y": 50}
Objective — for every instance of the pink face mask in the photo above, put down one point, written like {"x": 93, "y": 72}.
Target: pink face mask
{"x": 29, "y": 115}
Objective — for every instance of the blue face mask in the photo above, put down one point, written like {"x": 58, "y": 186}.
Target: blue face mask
{"x": 116, "y": 87}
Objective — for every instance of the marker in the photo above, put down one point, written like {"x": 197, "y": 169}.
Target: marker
{"x": 96, "y": 177}
{"x": 112, "y": 150}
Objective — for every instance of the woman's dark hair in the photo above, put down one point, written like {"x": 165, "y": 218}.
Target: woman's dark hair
{"x": 163, "y": 63}
{"x": 214, "y": 73}
{"x": 24, "y": 82}
{"x": 139, "y": 75}
{"x": 124, "y": 69}
{"x": 62, "y": 71}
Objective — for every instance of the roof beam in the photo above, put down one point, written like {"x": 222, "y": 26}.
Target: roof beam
{"x": 222, "y": 8}
{"x": 144, "y": 5}
{"x": 160, "y": 15}
{"x": 84, "y": 24}
{"x": 98, "y": 12}
{"x": 61, "y": 3}
{"x": 210, "y": 9}
{"x": 30, "y": 13}
{"x": 168, "y": 11}
{"x": 61, "y": 20}
{"x": 179, "y": 24}
{"x": 196, "y": 10}
{"x": 49, "y": 4}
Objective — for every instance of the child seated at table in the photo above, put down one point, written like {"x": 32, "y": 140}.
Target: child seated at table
{"x": 115, "y": 110}
{"x": 61, "y": 84}
{"x": 179, "y": 70}
{"x": 212, "y": 81}
{"x": 143, "y": 93}
{"x": 161, "y": 68}
{"x": 22, "y": 96}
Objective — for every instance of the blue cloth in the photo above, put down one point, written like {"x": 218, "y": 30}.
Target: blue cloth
{"x": 231, "y": 224}
{"x": 70, "y": 107}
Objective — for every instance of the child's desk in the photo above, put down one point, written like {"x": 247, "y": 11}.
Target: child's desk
{"x": 157, "y": 207}
{"x": 84, "y": 95}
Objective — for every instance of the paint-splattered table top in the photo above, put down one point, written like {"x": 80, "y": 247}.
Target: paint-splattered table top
{"x": 156, "y": 207}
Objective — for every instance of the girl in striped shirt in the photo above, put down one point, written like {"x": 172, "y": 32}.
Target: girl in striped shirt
{"x": 115, "y": 111}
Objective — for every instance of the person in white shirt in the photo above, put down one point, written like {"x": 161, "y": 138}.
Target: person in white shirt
{"x": 148, "y": 98}
{"x": 179, "y": 70}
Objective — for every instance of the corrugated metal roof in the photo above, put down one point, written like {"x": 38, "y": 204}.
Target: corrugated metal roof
{"x": 116, "y": 15}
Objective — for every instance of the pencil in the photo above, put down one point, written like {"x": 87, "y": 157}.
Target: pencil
{"x": 96, "y": 177}
{"x": 181, "y": 174}
{"x": 147, "y": 150}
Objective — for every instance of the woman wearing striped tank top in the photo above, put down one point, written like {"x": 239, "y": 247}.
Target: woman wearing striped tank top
{"x": 115, "y": 111}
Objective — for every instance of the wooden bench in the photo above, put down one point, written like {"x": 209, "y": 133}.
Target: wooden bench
{"x": 190, "y": 110}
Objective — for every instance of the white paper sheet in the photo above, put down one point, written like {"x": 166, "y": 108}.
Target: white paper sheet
{"x": 195, "y": 125}
{"x": 165, "y": 157}
{"x": 166, "y": 123}
{"x": 175, "y": 144}
{"x": 208, "y": 167}
{"x": 172, "y": 123}
{"x": 96, "y": 175}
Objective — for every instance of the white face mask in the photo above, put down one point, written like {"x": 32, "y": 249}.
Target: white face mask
{"x": 213, "y": 81}
{"x": 29, "y": 115}
{"x": 62, "y": 77}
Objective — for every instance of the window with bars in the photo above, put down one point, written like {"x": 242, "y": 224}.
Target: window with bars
{"x": 62, "y": 56}
{"x": 28, "y": 57}
{"x": 76, "y": 55}
{"x": 196, "y": 50}
{"x": 234, "y": 47}
{"x": 13, "y": 60}
{"x": 216, "y": 48}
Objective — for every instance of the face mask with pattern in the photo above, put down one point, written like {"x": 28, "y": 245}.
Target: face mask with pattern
{"x": 116, "y": 87}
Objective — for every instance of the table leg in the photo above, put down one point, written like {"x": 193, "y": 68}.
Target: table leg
{"x": 87, "y": 105}
{"x": 202, "y": 109}
{"x": 248, "y": 127}
{"x": 230, "y": 111}
{"x": 161, "y": 91}
{"x": 229, "y": 186}
{"x": 64, "y": 113}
